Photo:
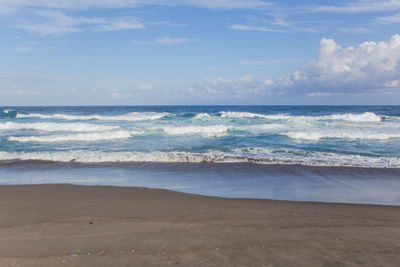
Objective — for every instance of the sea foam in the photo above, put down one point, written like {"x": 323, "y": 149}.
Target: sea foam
{"x": 363, "y": 117}
{"x": 133, "y": 116}
{"x": 83, "y": 137}
{"x": 205, "y": 131}
{"x": 341, "y": 134}
{"x": 201, "y": 116}
{"x": 53, "y": 127}
{"x": 249, "y": 155}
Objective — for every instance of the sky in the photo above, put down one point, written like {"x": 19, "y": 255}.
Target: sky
{"x": 199, "y": 52}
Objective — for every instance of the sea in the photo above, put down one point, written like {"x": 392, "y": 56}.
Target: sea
{"x": 346, "y": 154}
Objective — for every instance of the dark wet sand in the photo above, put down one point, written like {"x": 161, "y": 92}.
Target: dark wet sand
{"x": 66, "y": 225}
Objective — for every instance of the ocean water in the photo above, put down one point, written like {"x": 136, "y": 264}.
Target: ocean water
{"x": 55, "y": 142}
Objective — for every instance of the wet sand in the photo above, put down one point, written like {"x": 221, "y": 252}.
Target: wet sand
{"x": 67, "y": 225}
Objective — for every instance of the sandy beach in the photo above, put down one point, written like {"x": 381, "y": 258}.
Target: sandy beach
{"x": 67, "y": 225}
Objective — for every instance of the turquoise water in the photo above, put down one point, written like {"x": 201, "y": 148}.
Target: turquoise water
{"x": 309, "y": 153}
{"x": 365, "y": 136}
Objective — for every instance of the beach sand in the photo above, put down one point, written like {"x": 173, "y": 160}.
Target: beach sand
{"x": 67, "y": 225}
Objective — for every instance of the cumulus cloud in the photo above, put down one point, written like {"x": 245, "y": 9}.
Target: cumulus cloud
{"x": 371, "y": 67}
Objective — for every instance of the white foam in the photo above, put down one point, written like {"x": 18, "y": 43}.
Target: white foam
{"x": 133, "y": 116}
{"x": 262, "y": 128}
{"x": 341, "y": 134}
{"x": 248, "y": 155}
{"x": 232, "y": 114}
{"x": 53, "y": 127}
{"x": 313, "y": 158}
{"x": 201, "y": 116}
{"x": 85, "y": 137}
{"x": 205, "y": 131}
{"x": 97, "y": 157}
{"x": 364, "y": 117}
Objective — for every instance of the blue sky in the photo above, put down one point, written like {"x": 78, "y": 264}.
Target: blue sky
{"x": 136, "y": 52}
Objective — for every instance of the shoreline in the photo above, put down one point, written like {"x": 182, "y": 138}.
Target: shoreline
{"x": 59, "y": 224}
{"x": 175, "y": 164}
{"x": 230, "y": 180}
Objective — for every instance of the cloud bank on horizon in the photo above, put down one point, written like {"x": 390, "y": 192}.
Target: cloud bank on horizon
{"x": 199, "y": 52}
{"x": 370, "y": 67}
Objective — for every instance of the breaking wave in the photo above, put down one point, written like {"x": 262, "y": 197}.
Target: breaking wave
{"x": 84, "y": 137}
{"x": 201, "y": 117}
{"x": 133, "y": 116}
{"x": 364, "y": 117}
{"x": 254, "y": 155}
{"x": 8, "y": 114}
{"x": 205, "y": 131}
{"x": 54, "y": 127}
{"x": 341, "y": 135}
{"x": 299, "y": 135}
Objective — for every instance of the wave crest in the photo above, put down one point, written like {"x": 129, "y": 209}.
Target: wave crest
{"x": 250, "y": 155}
{"x": 313, "y": 136}
{"x": 56, "y": 127}
{"x": 83, "y": 137}
{"x": 201, "y": 116}
{"x": 363, "y": 117}
{"x": 133, "y": 116}
{"x": 8, "y": 114}
{"x": 205, "y": 131}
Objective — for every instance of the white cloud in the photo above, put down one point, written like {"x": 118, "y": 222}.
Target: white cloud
{"x": 276, "y": 22}
{"x": 356, "y": 30}
{"x": 270, "y": 61}
{"x": 252, "y": 28}
{"x": 6, "y": 10}
{"x": 389, "y": 19}
{"x": 32, "y": 84}
{"x": 166, "y": 40}
{"x": 145, "y": 87}
{"x": 243, "y": 86}
{"x": 8, "y": 6}
{"x": 245, "y": 4}
{"x": 24, "y": 48}
{"x": 369, "y": 68}
{"x": 320, "y": 94}
{"x": 47, "y": 29}
{"x": 168, "y": 24}
{"x": 366, "y": 61}
{"x": 171, "y": 41}
{"x": 57, "y": 22}
{"x": 59, "y": 18}
{"x": 362, "y": 6}
{"x": 121, "y": 24}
